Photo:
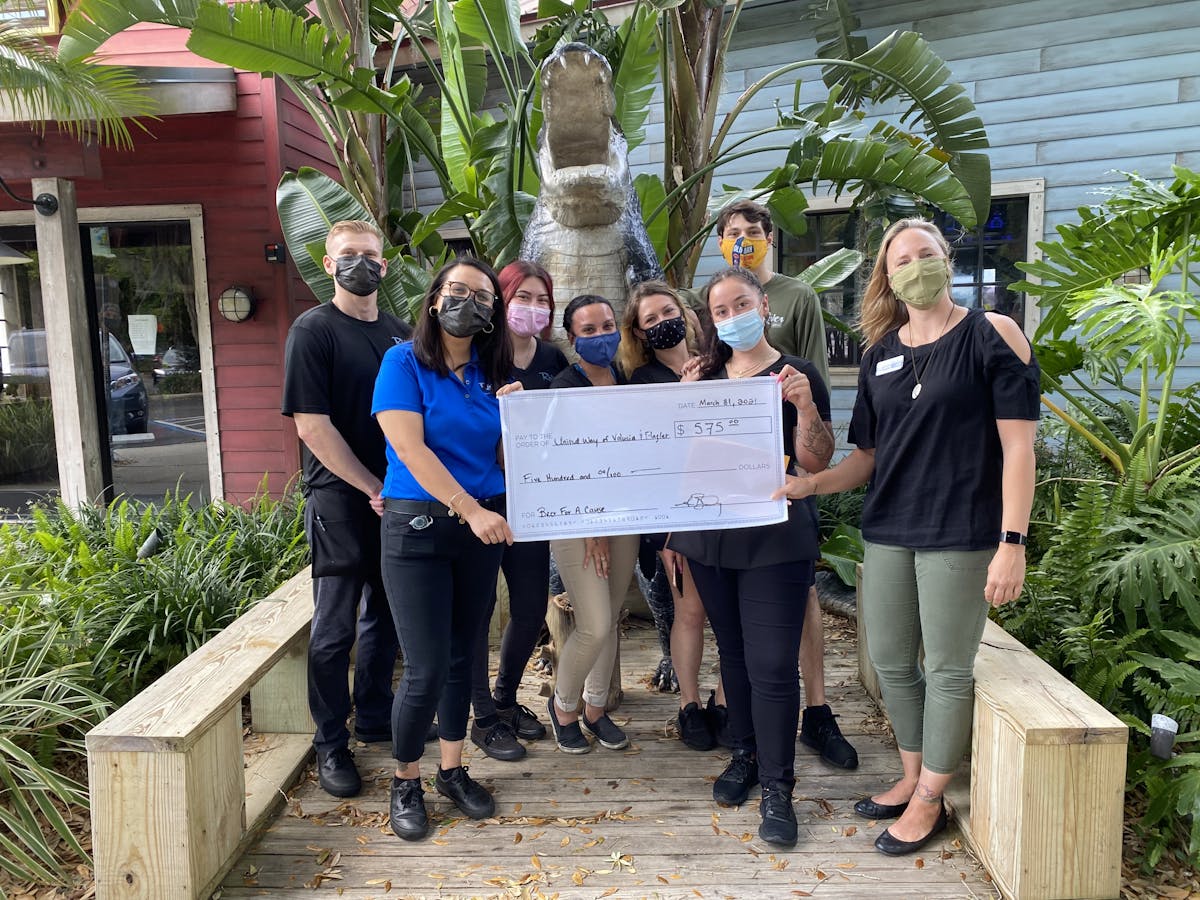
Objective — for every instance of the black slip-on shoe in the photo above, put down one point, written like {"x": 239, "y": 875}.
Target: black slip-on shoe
{"x": 466, "y": 793}
{"x": 693, "y": 728}
{"x": 406, "y": 809}
{"x": 521, "y": 720}
{"x": 569, "y": 737}
{"x": 778, "y": 825}
{"x": 869, "y": 809}
{"x": 606, "y": 731}
{"x": 337, "y": 773}
{"x": 892, "y": 846}
{"x": 497, "y": 741}
{"x": 819, "y": 731}
{"x": 732, "y": 786}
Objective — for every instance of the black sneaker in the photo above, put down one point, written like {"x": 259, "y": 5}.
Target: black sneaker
{"x": 523, "y": 722}
{"x": 778, "y": 818}
{"x": 732, "y": 786}
{"x": 606, "y": 732}
{"x": 718, "y": 721}
{"x": 693, "y": 728}
{"x": 819, "y": 731}
{"x": 468, "y": 794}
{"x": 406, "y": 811}
{"x": 497, "y": 741}
{"x": 338, "y": 774}
{"x": 568, "y": 737}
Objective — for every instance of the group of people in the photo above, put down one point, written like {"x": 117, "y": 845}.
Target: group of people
{"x": 405, "y": 483}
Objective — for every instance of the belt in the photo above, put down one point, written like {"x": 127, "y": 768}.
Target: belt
{"x": 433, "y": 508}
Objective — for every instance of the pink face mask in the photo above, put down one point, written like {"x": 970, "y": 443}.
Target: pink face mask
{"x": 527, "y": 320}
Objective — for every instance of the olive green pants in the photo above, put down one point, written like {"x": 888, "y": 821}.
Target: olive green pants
{"x": 932, "y": 598}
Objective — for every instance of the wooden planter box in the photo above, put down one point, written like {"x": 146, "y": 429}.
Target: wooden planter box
{"x": 1046, "y": 798}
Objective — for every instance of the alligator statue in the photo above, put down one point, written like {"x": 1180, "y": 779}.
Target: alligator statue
{"x": 586, "y": 229}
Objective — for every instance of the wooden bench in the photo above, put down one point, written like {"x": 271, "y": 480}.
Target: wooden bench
{"x": 1044, "y": 806}
{"x": 176, "y": 793}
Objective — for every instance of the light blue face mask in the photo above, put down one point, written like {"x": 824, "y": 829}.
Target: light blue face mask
{"x": 600, "y": 349}
{"x": 741, "y": 332}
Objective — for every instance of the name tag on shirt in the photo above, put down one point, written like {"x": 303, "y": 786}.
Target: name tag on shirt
{"x": 887, "y": 366}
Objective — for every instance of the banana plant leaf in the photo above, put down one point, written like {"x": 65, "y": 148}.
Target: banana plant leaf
{"x": 637, "y": 74}
{"x": 832, "y": 270}
{"x": 843, "y": 552}
{"x": 651, "y": 192}
{"x": 941, "y": 105}
{"x": 495, "y": 24}
{"x": 309, "y": 202}
{"x": 92, "y": 22}
{"x": 261, "y": 38}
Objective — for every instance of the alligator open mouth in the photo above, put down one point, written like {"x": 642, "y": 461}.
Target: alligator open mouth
{"x": 582, "y": 157}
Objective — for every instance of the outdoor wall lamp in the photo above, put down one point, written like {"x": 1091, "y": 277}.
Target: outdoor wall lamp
{"x": 236, "y": 303}
{"x": 45, "y": 204}
{"x": 10, "y": 256}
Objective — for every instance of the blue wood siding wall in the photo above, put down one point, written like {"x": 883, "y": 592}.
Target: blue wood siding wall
{"x": 1069, "y": 91}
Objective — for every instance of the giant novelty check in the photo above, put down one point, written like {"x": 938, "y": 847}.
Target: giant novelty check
{"x": 585, "y": 462}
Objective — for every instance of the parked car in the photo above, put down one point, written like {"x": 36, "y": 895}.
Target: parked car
{"x": 178, "y": 361}
{"x": 128, "y": 402}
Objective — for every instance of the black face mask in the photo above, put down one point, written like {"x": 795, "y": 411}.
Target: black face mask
{"x": 464, "y": 316}
{"x": 667, "y": 333}
{"x": 360, "y": 275}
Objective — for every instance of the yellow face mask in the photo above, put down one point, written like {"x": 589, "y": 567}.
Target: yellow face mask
{"x": 744, "y": 252}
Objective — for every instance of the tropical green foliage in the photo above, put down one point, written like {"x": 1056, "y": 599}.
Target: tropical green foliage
{"x": 1113, "y": 594}
{"x": 85, "y": 623}
{"x": 26, "y": 439}
{"x": 81, "y": 97}
{"x": 380, "y": 126}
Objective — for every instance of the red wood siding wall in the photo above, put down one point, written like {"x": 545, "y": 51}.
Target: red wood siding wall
{"x": 230, "y": 164}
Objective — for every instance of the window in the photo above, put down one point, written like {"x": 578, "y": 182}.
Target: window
{"x": 984, "y": 261}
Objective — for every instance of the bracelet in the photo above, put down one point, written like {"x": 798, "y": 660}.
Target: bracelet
{"x": 450, "y": 505}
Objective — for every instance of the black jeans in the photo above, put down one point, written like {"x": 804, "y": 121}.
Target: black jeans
{"x": 526, "y": 569}
{"x": 441, "y": 582}
{"x": 757, "y": 616}
{"x": 348, "y": 605}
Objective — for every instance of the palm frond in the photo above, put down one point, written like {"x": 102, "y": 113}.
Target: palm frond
{"x": 82, "y": 97}
{"x": 92, "y": 22}
{"x": 832, "y": 270}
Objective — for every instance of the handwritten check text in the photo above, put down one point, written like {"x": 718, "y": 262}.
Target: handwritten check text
{"x": 643, "y": 458}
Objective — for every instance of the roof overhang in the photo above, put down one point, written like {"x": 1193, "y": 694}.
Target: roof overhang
{"x": 174, "y": 91}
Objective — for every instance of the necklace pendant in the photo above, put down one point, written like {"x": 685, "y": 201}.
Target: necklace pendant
{"x": 916, "y": 391}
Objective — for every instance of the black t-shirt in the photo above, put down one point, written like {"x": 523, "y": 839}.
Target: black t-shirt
{"x": 547, "y": 362}
{"x": 653, "y": 372}
{"x": 766, "y": 545}
{"x": 938, "y": 460}
{"x": 330, "y": 364}
{"x": 573, "y": 377}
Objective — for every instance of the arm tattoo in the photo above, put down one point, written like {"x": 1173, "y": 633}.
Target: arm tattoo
{"x": 816, "y": 438}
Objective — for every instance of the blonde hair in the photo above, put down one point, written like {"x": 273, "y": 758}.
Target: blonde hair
{"x": 883, "y": 311}
{"x": 352, "y": 226}
{"x": 634, "y": 352}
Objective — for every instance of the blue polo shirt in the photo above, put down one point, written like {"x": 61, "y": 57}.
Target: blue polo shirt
{"x": 462, "y": 423}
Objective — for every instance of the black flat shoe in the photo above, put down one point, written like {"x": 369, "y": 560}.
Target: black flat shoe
{"x": 406, "y": 811}
{"x": 467, "y": 794}
{"x": 337, "y": 773}
{"x": 885, "y": 843}
{"x": 869, "y": 809}
{"x": 497, "y": 741}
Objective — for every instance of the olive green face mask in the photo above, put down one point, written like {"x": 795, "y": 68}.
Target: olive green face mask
{"x": 921, "y": 282}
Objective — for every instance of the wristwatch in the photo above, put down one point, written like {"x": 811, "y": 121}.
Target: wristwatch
{"x": 1012, "y": 537}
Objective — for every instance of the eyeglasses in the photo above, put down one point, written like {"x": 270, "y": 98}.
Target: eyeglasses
{"x": 460, "y": 291}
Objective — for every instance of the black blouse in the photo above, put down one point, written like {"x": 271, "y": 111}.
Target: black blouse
{"x": 547, "y": 362}
{"x": 793, "y": 540}
{"x": 938, "y": 460}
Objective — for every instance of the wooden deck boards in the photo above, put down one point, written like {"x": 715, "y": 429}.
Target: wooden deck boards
{"x": 633, "y": 823}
